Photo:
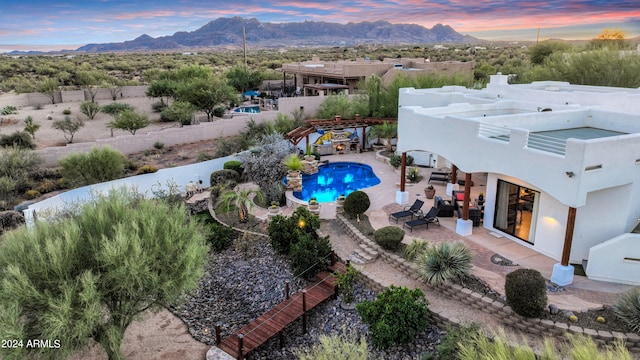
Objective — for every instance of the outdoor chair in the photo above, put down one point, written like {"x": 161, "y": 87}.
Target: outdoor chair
{"x": 430, "y": 217}
{"x": 413, "y": 210}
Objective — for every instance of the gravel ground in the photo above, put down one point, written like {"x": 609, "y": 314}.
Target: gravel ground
{"x": 237, "y": 289}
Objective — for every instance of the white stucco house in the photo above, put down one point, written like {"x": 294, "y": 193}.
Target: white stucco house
{"x": 562, "y": 164}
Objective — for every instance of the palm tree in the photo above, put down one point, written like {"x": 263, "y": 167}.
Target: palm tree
{"x": 241, "y": 200}
{"x": 386, "y": 131}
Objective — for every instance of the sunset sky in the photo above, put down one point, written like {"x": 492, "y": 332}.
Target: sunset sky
{"x": 54, "y": 25}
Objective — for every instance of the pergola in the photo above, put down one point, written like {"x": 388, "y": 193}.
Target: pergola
{"x": 295, "y": 136}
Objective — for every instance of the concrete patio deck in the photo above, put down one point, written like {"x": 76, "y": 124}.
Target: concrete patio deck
{"x": 582, "y": 294}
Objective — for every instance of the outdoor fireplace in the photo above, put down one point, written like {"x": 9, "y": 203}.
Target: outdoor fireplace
{"x": 340, "y": 147}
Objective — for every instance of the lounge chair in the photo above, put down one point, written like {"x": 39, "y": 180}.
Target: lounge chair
{"x": 430, "y": 217}
{"x": 413, "y": 210}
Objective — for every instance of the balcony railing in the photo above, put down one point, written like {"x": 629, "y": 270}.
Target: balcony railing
{"x": 547, "y": 143}
{"x": 494, "y": 132}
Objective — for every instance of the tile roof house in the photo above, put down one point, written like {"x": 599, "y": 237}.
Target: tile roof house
{"x": 562, "y": 164}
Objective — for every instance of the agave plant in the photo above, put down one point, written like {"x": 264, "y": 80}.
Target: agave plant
{"x": 444, "y": 263}
{"x": 628, "y": 308}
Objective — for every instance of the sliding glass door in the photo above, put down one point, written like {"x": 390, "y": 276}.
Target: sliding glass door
{"x": 515, "y": 210}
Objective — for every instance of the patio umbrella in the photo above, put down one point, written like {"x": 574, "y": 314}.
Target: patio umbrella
{"x": 250, "y": 93}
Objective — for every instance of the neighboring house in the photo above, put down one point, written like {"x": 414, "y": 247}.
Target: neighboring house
{"x": 317, "y": 77}
{"x": 562, "y": 164}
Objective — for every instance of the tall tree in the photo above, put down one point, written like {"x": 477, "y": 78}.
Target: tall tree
{"x": 206, "y": 94}
{"x": 243, "y": 79}
{"x": 90, "y": 276}
{"x": 48, "y": 87}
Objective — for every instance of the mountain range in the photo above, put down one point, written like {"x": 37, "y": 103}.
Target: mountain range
{"x": 228, "y": 32}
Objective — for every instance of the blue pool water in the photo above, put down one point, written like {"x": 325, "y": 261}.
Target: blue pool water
{"x": 334, "y": 179}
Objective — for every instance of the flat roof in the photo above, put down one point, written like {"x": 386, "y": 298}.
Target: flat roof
{"x": 326, "y": 86}
{"x": 582, "y": 133}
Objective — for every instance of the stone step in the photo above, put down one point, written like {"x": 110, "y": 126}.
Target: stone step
{"x": 360, "y": 257}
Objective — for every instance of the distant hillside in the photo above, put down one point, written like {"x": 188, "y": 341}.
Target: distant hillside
{"x": 228, "y": 32}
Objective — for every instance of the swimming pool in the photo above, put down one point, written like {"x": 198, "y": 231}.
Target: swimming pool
{"x": 335, "y": 179}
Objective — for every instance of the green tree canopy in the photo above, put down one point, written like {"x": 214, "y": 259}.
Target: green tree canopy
{"x": 98, "y": 165}
{"x": 243, "y": 79}
{"x": 206, "y": 94}
{"x": 130, "y": 121}
{"x": 92, "y": 275}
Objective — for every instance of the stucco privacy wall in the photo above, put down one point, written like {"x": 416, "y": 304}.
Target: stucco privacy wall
{"x": 34, "y": 99}
{"x": 128, "y": 144}
{"x": 144, "y": 184}
{"x": 310, "y": 104}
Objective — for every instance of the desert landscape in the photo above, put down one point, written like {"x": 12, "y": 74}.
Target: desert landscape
{"x": 159, "y": 335}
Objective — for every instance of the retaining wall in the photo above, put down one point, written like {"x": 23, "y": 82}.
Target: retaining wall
{"x": 496, "y": 308}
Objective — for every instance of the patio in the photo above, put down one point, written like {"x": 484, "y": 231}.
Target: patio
{"x": 582, "y": 294}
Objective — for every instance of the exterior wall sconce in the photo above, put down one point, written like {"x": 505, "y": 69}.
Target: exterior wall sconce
{"x": 569, "y": 174}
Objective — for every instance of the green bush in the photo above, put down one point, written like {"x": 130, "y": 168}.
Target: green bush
{"x": 21, "y": 139}
{"x": 414, "y": 249}
{"x": 308, "y": 255}
{"x": 158, "y": 145}
{"x": 147, "y": 169}
{"x": 526, "y": 292}
{"x": 397, "y": 315}
{"x": 396, "y": 161}
{"x": 66, "y": 111}
{"x": 8, "y": 110}
{"x": 116, "y": 108}
{"x": 219, "y": 236}
{"x": 218, "y": 112}
{"x": 235, "y": 165}
{"x": 389, "y": 237}
{"x": 223, "y": 176}
{"x": 286, "y": 231}
{"x": 179, "y": 111}
{"x": 98, "y": 165}
{"x": 346, "y": 281}
{"x": 445, "y": 262}
{"x": 159, "y": 106}
{"x": 627, "y": 308}
{"x": 356, "y": 203}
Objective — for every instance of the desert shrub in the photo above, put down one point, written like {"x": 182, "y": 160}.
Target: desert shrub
{"x": 218, "y": 112}
{"x": 389, "y": 237}
{"x": 158, "y": 107}
{"x": 158, "y": 145}
{"x": 498, "y": 346}
{"x": 526, "y": 292}
{"x": 396, "y": 160}
{"x": 627, "y": 308}
{"x": 308, "y": 255}
{"x": 181, "y": 112}
{"x": 204, "y": 156}
{"x": 445, "y": 262}
{"x": 116, "y": 108}
{"x": 32, "y": 194}
{"x": 247, "y": 244}
{"x": 235, "y": 165}
{"x": 10, "y": 220}
{"x": 47, "y": 186}
{"x": 285, "y": 231}
{"x": 130, "y": 121}
{"x": 414, "y": 249}
{"x": 397, "y": 315}
{"x": 90, "y": 108}
{"x": 219, "y": 236}
{"x": 21, "y": 139}
{"x": 31, "y": 127}
{"x": 66, "y": 112}
{"x": 8, "y": 110}
{"x": 456, "y": 336}
{"x": 98, "y": 165}
{"x": 356, "y": 203}
{"x": 336, "y": 347}
{"x": 17, "y": 167}
{"x": 147, "y": 169}
{"x": 223, "y": 176}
